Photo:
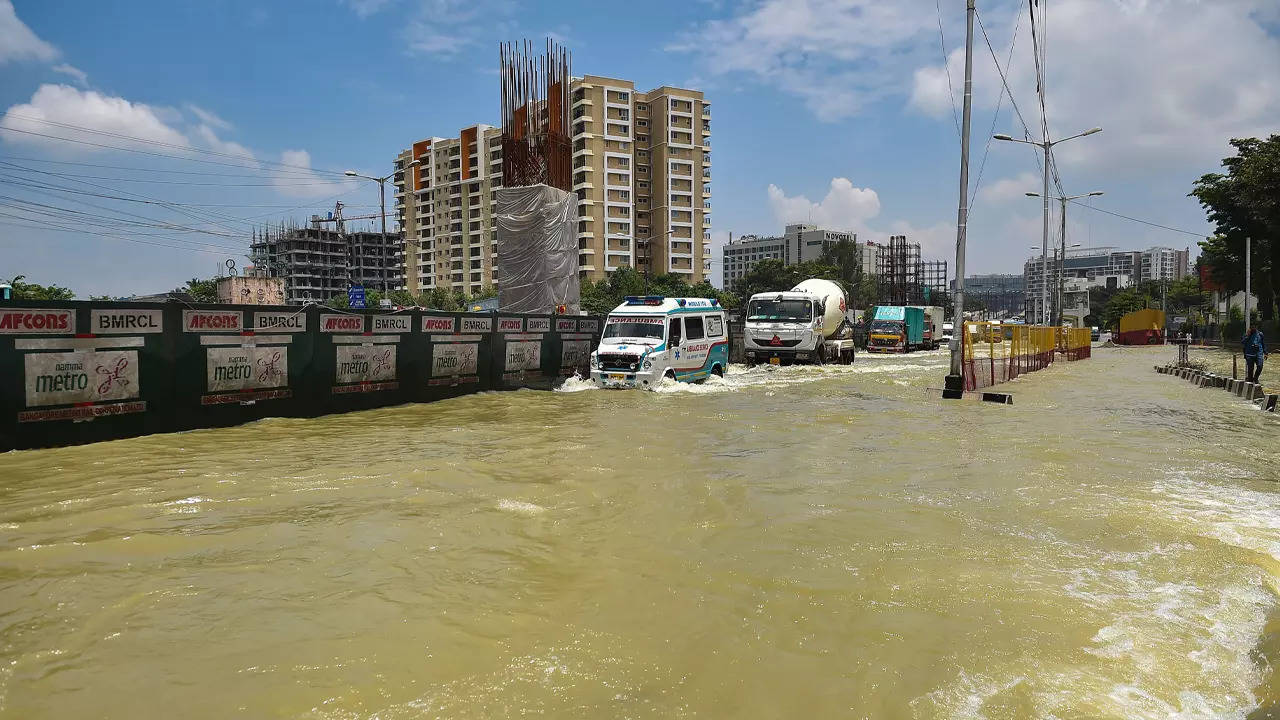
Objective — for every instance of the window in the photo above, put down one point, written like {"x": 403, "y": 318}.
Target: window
{"x": 641, "y": 123}
{"x": 693, "y": 328}
{"x": 673, "y": 335}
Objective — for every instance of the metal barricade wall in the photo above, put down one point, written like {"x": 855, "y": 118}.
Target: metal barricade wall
{"x": 75, "y": 372}
{"x": 994, "y": 353}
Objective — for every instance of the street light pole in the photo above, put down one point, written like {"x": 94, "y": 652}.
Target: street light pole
{"x": 1047, "y": 147}
{"x": 1061, "y": 263}
{"x": 382, "y": 204}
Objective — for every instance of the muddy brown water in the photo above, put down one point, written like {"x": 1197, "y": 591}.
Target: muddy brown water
{"x": 792, "y": 542}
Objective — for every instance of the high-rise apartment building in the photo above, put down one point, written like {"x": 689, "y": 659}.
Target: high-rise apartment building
{"x": 641, "y": 171}
{"x": 445, "y": 206}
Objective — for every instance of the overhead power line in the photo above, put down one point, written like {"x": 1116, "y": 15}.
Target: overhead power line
{"x": 1139, "y": 220}
{"x": 159, "y": 143}
{"x": 946, "y": 67}
{"x": 1013, "y": 41}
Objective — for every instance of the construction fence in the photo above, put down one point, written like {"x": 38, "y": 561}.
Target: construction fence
{"x": 75, "y": 372}
{"x": 999, "y": 352}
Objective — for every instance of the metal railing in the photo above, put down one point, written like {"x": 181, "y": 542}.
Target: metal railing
{"x": 995, "y": 353}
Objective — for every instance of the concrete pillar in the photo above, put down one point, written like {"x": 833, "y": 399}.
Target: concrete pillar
{"x": 1255, "y": 392}
{"x": 1270, "y": 404}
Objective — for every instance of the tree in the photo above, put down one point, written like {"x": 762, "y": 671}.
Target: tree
{"x": 1244, "y": 203}
{"x": 603, "y": 296}
{"x": 31, "y": 291}
{"x": 204, "y": 291}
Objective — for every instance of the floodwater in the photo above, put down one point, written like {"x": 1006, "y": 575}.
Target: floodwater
{"x": 800, "y": 542}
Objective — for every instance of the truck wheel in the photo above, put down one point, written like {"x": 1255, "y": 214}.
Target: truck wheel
{"x": 820, "y": 357}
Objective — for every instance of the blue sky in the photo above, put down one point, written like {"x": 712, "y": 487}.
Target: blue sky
{"x": 835, "y": 110}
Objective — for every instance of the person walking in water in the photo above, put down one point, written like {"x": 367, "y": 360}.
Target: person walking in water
{"x": 1254, "y": 352}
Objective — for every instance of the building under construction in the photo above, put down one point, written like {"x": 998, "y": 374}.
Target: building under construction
{"x": 904, "y": 279}
{"x": 323, "y": 260}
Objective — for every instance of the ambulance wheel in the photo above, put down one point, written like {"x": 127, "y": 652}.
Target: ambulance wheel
{"x": 717, "y": 371}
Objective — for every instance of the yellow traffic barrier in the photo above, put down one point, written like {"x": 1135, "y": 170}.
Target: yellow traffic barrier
{"x": 994, "y": 352}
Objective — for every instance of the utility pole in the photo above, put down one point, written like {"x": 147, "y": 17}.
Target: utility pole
{"x": 954, "y": 385}
{"x": 382, "y": 202}
{"x": 1248, "y": 278}
{"x": 1062, "y": 260}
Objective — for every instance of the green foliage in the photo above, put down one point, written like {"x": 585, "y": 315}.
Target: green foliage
{"x": 1181, "y": 297}
{"x": 203, "y": 291}
{"x": 30, "y": 291}
{"x": 1244, "y": 202}
{"x": 773, "y": 275}
{"x": 603, "y": 296}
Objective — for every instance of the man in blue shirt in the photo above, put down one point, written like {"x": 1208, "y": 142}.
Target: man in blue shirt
{"x": 1254, "y": 352}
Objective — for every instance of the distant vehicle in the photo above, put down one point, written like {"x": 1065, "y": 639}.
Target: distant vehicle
{"x": 647, "y": 339}
{"x": 807, "y": 324}
{"x": 948, "y": 331}
{"x": 896, "y": 329}
{"x": 1094, "y": 333}
{"x": 933, "y": 320}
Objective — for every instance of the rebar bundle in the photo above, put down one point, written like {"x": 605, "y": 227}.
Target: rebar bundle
{"x": 535, "y": 115}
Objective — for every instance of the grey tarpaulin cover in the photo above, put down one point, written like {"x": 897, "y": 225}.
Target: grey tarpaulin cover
{"x": 537, "y": 249}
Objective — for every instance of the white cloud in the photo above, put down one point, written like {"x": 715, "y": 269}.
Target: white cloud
{"x": 17, "y": 41}
{"x": 838, "y": 55}
{"x": 1006, "y": 189}
{"x": 86, "y": 109}
{"x": 80, "y": 76}
{"x": 845, "y": 207}
{"x": 298, "y": 180}
{"x": 208, "y": 118}
{"x": 1170, "y": 80}
{"x": 850, "y": 208}
{"x": 211, "y": 140}
{"x": 445, "y": 28}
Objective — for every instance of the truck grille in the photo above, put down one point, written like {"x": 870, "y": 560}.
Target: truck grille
{"x": 614, "y": 361}
{"x": 770, "y": 342}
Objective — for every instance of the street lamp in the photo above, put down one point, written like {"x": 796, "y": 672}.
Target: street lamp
{"x": 1064, "y": 200}
{"x": 382, "y": 203}
{"x": 1047, "y": 147}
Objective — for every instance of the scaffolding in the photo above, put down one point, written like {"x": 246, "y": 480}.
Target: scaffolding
{"x": 904, "y": 279}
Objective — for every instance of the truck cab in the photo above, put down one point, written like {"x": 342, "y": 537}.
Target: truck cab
{"x": 651, "y": 338}
{"x": 896, "y": 329}
{"x": 806, "y": 324}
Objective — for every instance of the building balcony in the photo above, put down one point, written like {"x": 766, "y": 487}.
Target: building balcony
{"x": 585, "y": 185}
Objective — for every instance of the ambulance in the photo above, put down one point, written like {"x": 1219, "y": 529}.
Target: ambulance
{"x": 651, "y": 338}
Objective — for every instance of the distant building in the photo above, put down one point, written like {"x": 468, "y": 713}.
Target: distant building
{"x": 251, "y": 290}
{"x": 1075, "y": 301}
{"x": 318, "y": 263}
{"x": 1001, "y": 295}
{"x": 798, "y": 243}
{"x": 1103, "y": 267}
{"x": 742, "y": 254}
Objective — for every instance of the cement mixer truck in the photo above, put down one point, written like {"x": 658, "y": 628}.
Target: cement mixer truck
{"x": 807, "y": 324}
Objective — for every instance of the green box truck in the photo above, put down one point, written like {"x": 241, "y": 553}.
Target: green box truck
{"x": 896, "y": 328}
